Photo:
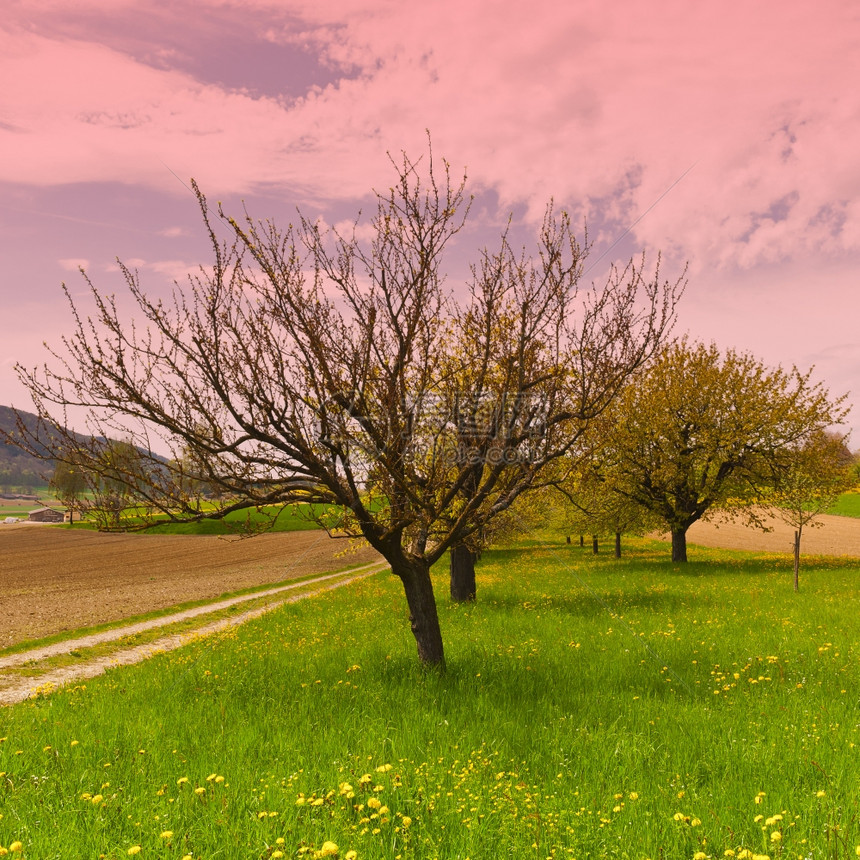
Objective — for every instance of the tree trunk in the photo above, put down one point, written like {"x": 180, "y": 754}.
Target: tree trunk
{"x": 463, "y": 586}
{"x": 582, "y": 540}
{"x": 415, "y": 576}
{"x": 797, "y": 559}
{"x": 594, "y": 547}
{"x": 568, "y": 538}
{"x": 618, "y": 544}
{"x": 679, "y": 544}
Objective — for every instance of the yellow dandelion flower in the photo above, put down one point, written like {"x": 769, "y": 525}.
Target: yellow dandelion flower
{"x": 383, "y": 810}
{"x": 374, "y": 803}
{"x": 200, "y": 790}
{"x": 383, "y": 768}
{"x": 73, "y": 743}
{"x": 329, "y": 849}
{"x": 277, "y": 854}
{"x": 365, "y": 779}
{"x": 3, "y": 851}
{"x": 776, "y": 836}
{"x": 695, "y": 822}
{"x": 350, "y": 855}
{"x": 700, "y": 855}
{"x": 167, "y": 834}
{"x": 407, "y": 821}
{"x": 135, "y": 849}
{"x": 182, "y": 780}
{"x": 820, "y": 793}
{"x": 219, "y": 779}
{"x": 16, "y": 846}
{"x": 96, "y": 799}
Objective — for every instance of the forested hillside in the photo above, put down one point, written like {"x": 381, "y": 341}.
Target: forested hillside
{"x": 18, "y": 469}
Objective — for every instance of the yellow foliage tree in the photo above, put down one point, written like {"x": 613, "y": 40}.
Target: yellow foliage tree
{"x": 699, "y": 429}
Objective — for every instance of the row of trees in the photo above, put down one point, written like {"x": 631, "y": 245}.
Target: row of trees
{"x": 310, "y": 366}
{"x": 697, "y": 431}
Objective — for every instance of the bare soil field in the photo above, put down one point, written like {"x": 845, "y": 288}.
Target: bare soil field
{"x": 838, "y": 536}
{"x": 53, "y": 580}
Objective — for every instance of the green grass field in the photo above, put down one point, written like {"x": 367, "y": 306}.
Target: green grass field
{"x": 591, "y": 708}
{"x": 847, "y": 506}
{"x": 287, "y": 519}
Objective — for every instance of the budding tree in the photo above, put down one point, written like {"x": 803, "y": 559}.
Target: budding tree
{"x": 700, "y": 430}
{"x": 310, "y": 366}
{"x": 812, "y": 474}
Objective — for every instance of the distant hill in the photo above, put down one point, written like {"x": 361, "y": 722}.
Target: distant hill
{"x": 19, "y": 469}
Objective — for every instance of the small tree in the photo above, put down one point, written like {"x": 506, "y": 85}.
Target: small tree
{"x": 812, "y": 474}
{"x": 699, "y": 430}
{"x": 309, "y": 366}
{"x": 69, "y": 484}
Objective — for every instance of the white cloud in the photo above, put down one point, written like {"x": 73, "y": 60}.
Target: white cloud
{"x": 73, "y": 264}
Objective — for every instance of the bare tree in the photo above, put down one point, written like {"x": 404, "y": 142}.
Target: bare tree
{"x": 308, "y": 366}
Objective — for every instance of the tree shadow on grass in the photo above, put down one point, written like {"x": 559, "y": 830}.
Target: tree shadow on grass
{"x": 588, "y": 602}
{"x": 650, "y": 557}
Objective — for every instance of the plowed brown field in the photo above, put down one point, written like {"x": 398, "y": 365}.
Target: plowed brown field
{"x": 833, "y": 536}
{"x": 56, "y": 579}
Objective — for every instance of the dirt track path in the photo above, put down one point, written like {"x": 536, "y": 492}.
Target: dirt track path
{"x": 23, "y": 688}
{"x": 88, "y": 641}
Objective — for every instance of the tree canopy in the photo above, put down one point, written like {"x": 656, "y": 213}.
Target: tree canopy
{"x": 699, "y": 429}
{"x": 310, "y": 365}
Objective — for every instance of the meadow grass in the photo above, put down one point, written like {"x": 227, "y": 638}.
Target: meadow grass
{"x": 591, "y": 708}
{"x": 848, "y": 505}
{"x": 275, "y": 519}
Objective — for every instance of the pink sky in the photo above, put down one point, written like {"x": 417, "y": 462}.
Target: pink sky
{"x": 106, "y": 105}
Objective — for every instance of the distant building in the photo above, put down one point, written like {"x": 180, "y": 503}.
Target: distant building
{"x": 46, "y": 515}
